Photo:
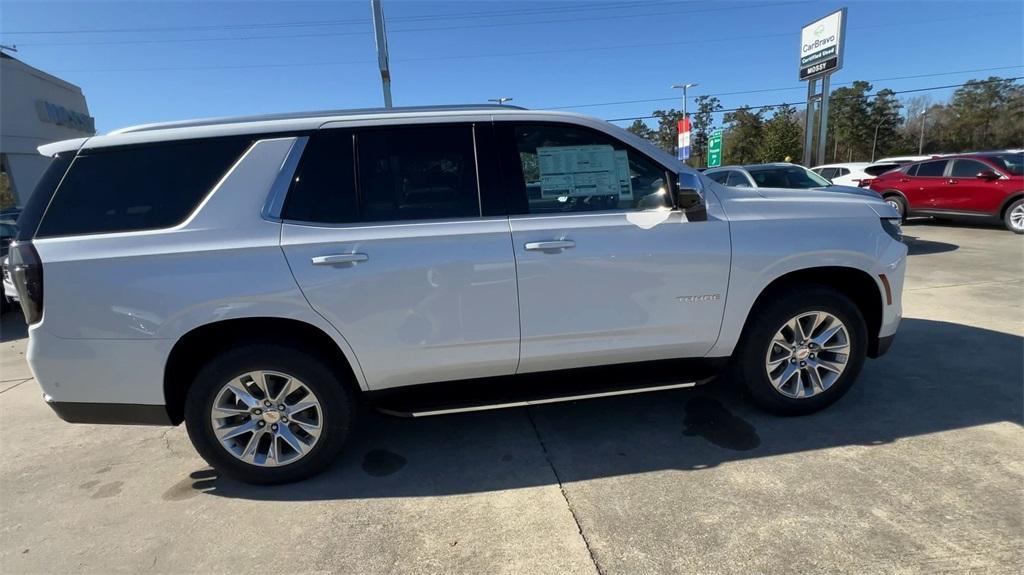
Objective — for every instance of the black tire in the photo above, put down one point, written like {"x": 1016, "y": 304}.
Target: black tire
{"x": 335, "y": 397}
{"x": 748, "y": 366}
{"x": 896, "y": 201}
{"x": 1009, "y": 211}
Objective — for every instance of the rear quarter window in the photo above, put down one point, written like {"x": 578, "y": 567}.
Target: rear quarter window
{"x": 138, "y": 187}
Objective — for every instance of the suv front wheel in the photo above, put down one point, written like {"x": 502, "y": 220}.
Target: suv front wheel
{"x": 802, "y": 351}
{"x": 268, "y": 414}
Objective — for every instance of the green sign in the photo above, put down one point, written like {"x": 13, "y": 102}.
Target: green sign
{"x": 715, "y": 149}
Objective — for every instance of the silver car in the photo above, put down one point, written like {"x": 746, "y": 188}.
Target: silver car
{"x": 779, "y": 175}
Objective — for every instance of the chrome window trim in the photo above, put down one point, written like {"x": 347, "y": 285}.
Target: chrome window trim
{"x": 279, "y": 190}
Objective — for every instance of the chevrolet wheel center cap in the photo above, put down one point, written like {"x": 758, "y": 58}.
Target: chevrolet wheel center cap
{"x": 802, "y": 353}
{"x": 271, "y": 416}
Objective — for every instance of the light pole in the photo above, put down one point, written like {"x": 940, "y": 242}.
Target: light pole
{"x": 920, "y": 141}
{"x": 875, "y": 140}
{"x": 686, "y": 116}
{"x": 381, "y": 39}
{"x": 501, "y": 101}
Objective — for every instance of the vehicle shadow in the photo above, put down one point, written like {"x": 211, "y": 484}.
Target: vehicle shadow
{"x": 966, "y": 223}
{"x": 919, "y": 247}
{"x": 922, "y": 386}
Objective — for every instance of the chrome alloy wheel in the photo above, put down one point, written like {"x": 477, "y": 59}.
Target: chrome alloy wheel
{"x": 267, "y": 418}
{"x": 808, "y": 354}
{"x": 1017, "y": 217}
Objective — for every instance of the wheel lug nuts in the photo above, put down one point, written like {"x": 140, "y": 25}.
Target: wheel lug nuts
{"x": 280, "y": 407}
{"x": 267, "y": 403}
{"x": 257, "y": 411}
{"x": 803, "y": 363}
{"x": 274, "y": 427}
{"x": 284, "y": 420}
{"x": 812, "y": 356}
{"x": 792, "y": 360}
{"x": 261, "y": 424}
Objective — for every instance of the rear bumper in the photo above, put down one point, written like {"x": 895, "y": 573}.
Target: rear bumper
{"x": 110, "y": 413}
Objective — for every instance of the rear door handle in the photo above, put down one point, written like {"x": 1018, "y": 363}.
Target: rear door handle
{"x": 904, "y": 179}
{"x": 550, "y": 246}
{"x": 339, "y": 259}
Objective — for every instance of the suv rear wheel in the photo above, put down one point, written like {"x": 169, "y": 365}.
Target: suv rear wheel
{"x": 268, "y": 414}
{"x": 802, "y": 351}
{"x": 897, "y": 203}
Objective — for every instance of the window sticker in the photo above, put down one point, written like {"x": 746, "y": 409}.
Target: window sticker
{"x": 581, "y": 171}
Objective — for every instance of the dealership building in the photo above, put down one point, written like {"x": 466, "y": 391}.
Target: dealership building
{"x": 36, "y": 108}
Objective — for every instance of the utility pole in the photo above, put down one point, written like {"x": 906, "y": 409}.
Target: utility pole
{"x": 381, "y": 37}
{"x": 684, "y": 155}
{"x": 501, "y": 101}
{"x": 920, "y": 141}
{"x": 874, "y": 141}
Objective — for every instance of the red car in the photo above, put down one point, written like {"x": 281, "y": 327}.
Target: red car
{"x": 984, "y": 185}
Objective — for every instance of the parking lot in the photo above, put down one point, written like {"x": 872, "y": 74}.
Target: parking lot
{"x": 920, "y": 469}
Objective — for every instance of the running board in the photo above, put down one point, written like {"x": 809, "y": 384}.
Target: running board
{"x": 528, "y": 402}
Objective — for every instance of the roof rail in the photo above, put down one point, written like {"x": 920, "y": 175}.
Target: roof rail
{"x": 315, "y": 114}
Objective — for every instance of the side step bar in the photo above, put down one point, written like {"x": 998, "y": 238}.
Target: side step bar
{"x": 538, "y": 388}
{"x": 528, "y": 402}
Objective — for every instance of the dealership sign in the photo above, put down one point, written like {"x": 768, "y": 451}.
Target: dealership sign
{"x": 57, "y": 114}
{"x": 821, "y": 45}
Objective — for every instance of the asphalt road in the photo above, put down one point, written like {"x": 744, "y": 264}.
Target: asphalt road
{"x": 920, "y": 469}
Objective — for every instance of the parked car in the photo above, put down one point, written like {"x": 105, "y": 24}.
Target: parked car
{"x": 8, "y": 230}
{"x": 778, "y": 175}
{"x": 258, "y": 277}
{"x": 980, "y": 186}
{"x": 857, "y": 174}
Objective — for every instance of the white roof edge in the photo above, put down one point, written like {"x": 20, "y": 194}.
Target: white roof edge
{"x": 55, "y": 148}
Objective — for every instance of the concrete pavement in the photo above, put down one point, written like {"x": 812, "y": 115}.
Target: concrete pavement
{"x": 920, "y": 469}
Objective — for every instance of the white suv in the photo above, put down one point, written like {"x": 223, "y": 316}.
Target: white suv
{"x": 257, "y": 278}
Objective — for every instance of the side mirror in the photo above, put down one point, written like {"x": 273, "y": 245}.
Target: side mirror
{"x": 987, "y": 175}
{"x": 689, "y": 199}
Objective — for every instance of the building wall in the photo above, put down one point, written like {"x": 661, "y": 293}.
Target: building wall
{"x": 35, "y": 109}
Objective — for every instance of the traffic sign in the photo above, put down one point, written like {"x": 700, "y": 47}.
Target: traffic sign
{"x": 715, "y": 149}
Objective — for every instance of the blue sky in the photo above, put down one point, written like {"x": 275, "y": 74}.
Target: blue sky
{"x": 321, "y": 55}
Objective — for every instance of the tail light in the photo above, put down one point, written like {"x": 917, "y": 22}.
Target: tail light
{"x": 27, "y": 275}
{"x": 864, "y": 183}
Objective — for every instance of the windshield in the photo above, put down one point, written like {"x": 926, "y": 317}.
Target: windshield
{"x": 1011, "y": 163}
{"x": 786, "y": 177}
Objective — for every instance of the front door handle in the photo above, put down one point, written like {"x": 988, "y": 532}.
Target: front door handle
{"x": 952, "y": 180}
{"x": 550, "y": 246}
{"x": 904, "y": 180}
{"x": 339, "y": 259}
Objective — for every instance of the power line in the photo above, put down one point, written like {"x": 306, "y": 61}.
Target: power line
{"x": 741, "y": 92}
{"x": 875, "y": 95}
{"x": 357, "y": 21}
{"x": 407, "y": 30}
{"x": 498, "y": 55}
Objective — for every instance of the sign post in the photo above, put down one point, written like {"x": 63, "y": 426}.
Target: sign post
{"x": 683, "y": 144}
{"x": 715, "y": 149}
{"x": 821, "y": 55}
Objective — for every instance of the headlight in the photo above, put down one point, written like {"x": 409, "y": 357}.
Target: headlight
{"x": 893, "y": 227}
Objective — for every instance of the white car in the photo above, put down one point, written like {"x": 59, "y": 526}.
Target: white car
{"x": 857, "y": 174}
{"x": 259, "y": 277}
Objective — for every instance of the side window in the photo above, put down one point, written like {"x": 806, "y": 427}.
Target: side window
{"x": 570, "y": 169}
{"x": 738, "y": 179}
{"x": 324, "y": 188}
{"x": 417, "y": 172}
{"x": 840, "y": 172}
{"x": 720, "y": 177}
{"x": 404, "y": 173}
{"x": 931, "y": 169}
{"x": 912, "y": 170}
{"x": 139, "y": 187}
{"x": 968, "y": 168}
{"x": 828, "y": 173}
